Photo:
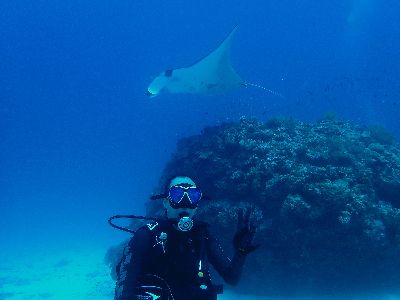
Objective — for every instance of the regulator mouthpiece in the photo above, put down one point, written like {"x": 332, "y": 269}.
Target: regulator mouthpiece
{"x": 185, "y": 224}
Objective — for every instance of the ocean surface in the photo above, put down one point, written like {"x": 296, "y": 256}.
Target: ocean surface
{"x": 79, "y": 139}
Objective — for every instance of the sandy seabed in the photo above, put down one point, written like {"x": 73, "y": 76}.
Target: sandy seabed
{"x": 79, "y": 274}
{"x": 74, "y": 274}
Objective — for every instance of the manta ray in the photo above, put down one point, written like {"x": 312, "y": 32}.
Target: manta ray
{"x": 211, "y": 75}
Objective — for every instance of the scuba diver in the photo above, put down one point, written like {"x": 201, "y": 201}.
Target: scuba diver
{"x": 168, "y": 259}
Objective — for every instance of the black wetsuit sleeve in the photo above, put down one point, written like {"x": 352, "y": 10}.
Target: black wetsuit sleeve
{"x": 130, "y": 266}
{"x": 229, "y": 269}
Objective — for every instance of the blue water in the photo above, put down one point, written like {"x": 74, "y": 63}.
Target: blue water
{"x": 79, "y": 140}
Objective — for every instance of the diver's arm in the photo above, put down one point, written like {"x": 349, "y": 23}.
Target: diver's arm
{"x": 129, "y": 268}
{"x": 243, "y": 245}
{"x": 229, "y": 269}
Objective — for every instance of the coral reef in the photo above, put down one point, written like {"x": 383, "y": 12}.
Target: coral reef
{"x": 326, "y": 198}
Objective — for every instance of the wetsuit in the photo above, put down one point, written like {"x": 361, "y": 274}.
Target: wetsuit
{"x": 161, "y": 255}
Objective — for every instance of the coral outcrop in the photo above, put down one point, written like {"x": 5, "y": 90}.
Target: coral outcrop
{"x": 326, "y": 197}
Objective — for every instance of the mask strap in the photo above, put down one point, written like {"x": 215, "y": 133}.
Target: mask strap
{"x": 159, "y": 196}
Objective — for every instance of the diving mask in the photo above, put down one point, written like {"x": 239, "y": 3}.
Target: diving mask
{"x": 184, "y": 197}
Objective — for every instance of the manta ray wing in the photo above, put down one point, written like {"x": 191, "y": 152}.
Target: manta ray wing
{"x": 211, "y": 75}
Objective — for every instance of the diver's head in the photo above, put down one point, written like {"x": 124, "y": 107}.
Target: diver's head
{"x": 183, "y": 198}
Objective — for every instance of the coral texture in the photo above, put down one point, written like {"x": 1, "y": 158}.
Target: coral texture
{"x": 326, "y": 197}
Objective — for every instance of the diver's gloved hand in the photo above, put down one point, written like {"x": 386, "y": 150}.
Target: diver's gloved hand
{"x": 243, "y": 239}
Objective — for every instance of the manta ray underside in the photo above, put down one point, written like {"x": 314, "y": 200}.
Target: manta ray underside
{"x": 211, "y": 75}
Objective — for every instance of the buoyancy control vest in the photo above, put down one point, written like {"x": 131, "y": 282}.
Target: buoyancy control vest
{"x": 175, "y": 265}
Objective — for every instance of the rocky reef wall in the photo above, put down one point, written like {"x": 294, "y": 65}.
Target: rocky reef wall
{"x": 326, "y": 198}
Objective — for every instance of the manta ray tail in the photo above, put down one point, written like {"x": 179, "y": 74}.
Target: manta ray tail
{"x": 277, "y": 94}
